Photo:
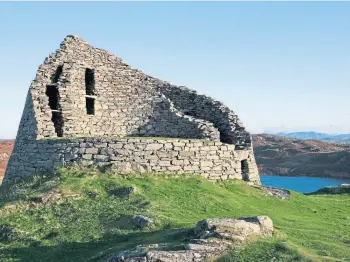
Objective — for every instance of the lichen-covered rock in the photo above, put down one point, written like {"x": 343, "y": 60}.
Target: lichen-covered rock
{"x": 234, "y": 229}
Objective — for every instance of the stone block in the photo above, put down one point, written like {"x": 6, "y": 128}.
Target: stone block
{"x": 87, "y": 156}
{"x": 206, "y": 164}
{"x": 174, "y": 168}
{"x": 154, "y": 146}
{"x": 91, "y": 150}
{"x": 186, "y": 153}
{"x": 164, "y": 163}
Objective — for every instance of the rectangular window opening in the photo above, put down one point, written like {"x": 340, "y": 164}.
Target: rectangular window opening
{"x": 90, "y": 82}
{"x": 245, "y": 169}
{"x": 90, "y": 91}
{"x": 90, "y": 106}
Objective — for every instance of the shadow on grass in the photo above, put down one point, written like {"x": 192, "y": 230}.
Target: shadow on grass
{"x": 262, "y": 251}
{"x": 96, "y": 250}
{"x": 20, "y": 190}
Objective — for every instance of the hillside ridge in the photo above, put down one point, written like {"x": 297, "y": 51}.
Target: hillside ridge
{"x": 276, "y": 155}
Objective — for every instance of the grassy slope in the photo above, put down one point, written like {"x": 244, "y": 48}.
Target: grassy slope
{"x": 81, "y": 228}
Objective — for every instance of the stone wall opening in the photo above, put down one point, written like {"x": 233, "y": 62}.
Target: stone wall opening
{"x": 90, "y": 91}
{"x": 52, "y": 93}
{"x": 57, "y": 120}
{"x": 90, "y": 81}
{"x": 245, "y": 170}
{"x": 54, "y": 103}
{"x": 57, "y": 74}
{"x": 90, "y": 106}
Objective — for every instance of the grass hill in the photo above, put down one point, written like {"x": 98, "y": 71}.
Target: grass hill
{"x": 295, "y": 157}
{"x": 75, "y": 216}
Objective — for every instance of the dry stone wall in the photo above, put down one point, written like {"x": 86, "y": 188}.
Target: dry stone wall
{"x": 82, "y": 91}
{"x": 213, "y": 160}
{"x": 200, "y": 106}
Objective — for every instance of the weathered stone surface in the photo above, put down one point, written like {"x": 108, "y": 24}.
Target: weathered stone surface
{"x": 82, "y": 91}
{"x": 234, "y": 229}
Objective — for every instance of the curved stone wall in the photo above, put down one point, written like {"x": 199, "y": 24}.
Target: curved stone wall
{"x": 213, "y": 160}
{"x": 200, "y": 106}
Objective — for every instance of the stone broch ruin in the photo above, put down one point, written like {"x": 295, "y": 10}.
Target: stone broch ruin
{"x": 88, "y": 107}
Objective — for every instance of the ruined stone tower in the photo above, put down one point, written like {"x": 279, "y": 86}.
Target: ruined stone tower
{"x": 87, "y": 107}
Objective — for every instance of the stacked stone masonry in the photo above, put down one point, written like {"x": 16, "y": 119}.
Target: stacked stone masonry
{"x": 213, "y": 160}
{"x": 82, "y": 91}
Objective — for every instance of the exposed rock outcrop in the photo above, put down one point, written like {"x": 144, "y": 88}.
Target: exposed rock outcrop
{"x": 341, "y": 189}
{"x": 211, "y": 238}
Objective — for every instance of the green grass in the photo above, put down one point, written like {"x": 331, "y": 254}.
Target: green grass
{"x": 81, "y": 228}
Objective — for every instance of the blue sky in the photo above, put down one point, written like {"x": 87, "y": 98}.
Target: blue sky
{"x": 278, "y": 65}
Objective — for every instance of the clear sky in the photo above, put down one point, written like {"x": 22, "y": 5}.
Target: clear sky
{"x": 278, "y": 65}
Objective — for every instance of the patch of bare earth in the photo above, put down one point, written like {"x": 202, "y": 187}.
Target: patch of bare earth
{"x": 6, "y": 147}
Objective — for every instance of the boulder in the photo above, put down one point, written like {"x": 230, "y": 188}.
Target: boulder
{"x": 134, "y": 222}
{"x": 234, "y": 229}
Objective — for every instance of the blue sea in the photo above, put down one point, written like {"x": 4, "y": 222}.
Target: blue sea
{"x": 301, "y": 184}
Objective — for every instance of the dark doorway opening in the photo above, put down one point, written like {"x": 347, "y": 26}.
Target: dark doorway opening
{"x": 244, "y": 169}
{"x": 90, "y": 91}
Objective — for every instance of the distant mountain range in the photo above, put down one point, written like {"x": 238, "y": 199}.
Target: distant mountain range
{"x": 311, "y": 135}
